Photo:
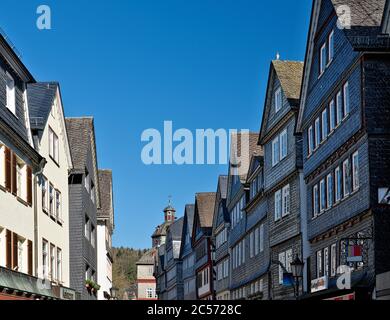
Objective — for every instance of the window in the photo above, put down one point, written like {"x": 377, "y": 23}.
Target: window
{"x": 282, "y": 260}
{"x": 87, "y": 272}
{"x": 322, "y": 196}
{"x": 310, "y": 137}
{"x": 44, "y": 193}
{"x": 93, "y": 196}
{"x": 338, "y": 184}
{"x": 329, "y": 186}
{"x": 275, "y": 151}
{"x": 252, "y": 244}
{"x": 44, "y": 258}
{"x": 278, "y": 205}
{"x": 333, "y": 260}
{"x": 323, "y": 61}
{"x": 283, "y": 144}
{"x": 317, "y": 132}
{"x": 278, "y": 100}
{"x": 319, "y": 264}
{"x": 257, "y": 243}
{"x": 87, "y": 227}
{"x": 59, "y": 265}
{"x": 261, "y": 238}
{"x": 339, "y": 106}
{"x": 355, "y": 171}
{"x": 315, "y": 201}
{"x": 331, "y": 47}
{"x": 326, "y": 261}
{"x": 332, "y": 118}
{"x": 2, "y": 165}
{"x": 86, "y": 180}
{"x": 10, "y": 97}
{"x": 286, "y": 200}
{"x": 346, "y": 99}
{"x": 52, "y": 261}
{"x": 51, "y": 199}
{"x": 149, "y": 293}
{"x": 53, "y": 145}
{"x": 58, "y": 205}
{"x": 325, "y": 130}
{"x": 93, "y": 235}
{"x": 20, "y": 255}
{"x": 346, "y": 178}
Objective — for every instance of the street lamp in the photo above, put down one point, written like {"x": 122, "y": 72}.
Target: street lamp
{"x": 297, "y": 273}
{"x": 113, "y": 292}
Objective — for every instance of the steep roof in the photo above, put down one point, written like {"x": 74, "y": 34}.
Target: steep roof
{"x": 364, "y": 13}
{"x": 244, "y": 145}
{"x": 205, "y": 203}
{"x": 147, "y": 258}
{"x": 290, "y": 76}
{"x": 368, "y": 21}
{"x": 189, "y": 213}
{"x": 81, "y": 136}
{"x": 222, "y": 186}
{"x": 40, "y": 97}
{"x": 176, "y": 228}
{"x": 106, "y": 209}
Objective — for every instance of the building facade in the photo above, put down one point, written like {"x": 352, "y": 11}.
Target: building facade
{"x": 283, "y": 177}
{"x": 344, "y": 120}
{"x": 173, "y": 264}
{"x": 202, "y": 246}
{"x": 84, "y": 201}
{"x": 221, "y": 228}
{"x": 105, "y": 230}
{"x": 146, "y": 282}
{"x": 187, "y": 255}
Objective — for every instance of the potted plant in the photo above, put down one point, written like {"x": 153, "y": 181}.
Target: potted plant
{"x": 88, "y": 284}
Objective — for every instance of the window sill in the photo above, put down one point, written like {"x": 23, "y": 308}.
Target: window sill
{"x": 3, "y": 188}
{"x": 55, "y": 162}
{"x": 11, "y": 112}
{"x": 23, "y": 202}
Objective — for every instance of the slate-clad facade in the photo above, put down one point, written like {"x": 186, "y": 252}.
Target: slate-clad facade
{"x": 243, "y": 146}
{"x": 202, "y": 245}
{"x": 345, "y": 121}
{"x": 84, "y": 201}
{"x": 173, "y": 264}
{"x": 282, "y": 172}
{"x": 187, "y": 254}
{"x": 221, "y": 228}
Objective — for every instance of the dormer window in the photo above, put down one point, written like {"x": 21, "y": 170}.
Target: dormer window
{"x": 10, "y": 102}
{"x": 278, "y": 100}
{"x": 323, "y": 61}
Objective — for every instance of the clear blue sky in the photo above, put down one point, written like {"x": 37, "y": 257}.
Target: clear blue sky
{"x": 133, "y": 64}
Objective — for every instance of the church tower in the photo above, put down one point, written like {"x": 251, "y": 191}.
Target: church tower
{"x": 160, "y": 234}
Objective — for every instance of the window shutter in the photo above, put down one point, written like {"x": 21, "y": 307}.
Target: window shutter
{"x": 14, "y": 188}
{"x": 29, "y": 185}
{"x": 8, "y": 169}
{"x": 30, "y": 257}
{"x": 9, "y": 249}
{"x": 14, "y": 251}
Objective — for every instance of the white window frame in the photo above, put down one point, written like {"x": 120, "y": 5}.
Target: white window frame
{"x": 330, "y": 47}
{"x": 333, "y": 260}
{"x": 317, "y": 133}
{"x": 347, "y": 99}
{"x": 355, "y": 171}
{"x": 285, "y": 200}
{"x": 282, "y": 260}
{"x": 315, "y": 201}
{"x": 310, "y": 137}
{"x": 319, "y": 264}
{"x": 10, "y": 93}
{"x": 339, "y": 108}
{"x": 278, "y": 100}
{"x": 275, "y": 151}
{"x": 323, "y": 56}
{"x": 278, "y": 205}
{"x": 325, "y": 127}
{"x": 338, "y": 187}
{"x": 261, "y": 236}
{"x": 322, "y": 196}
{"x": 283, "y": 144}
{"x": 346, "y": 190}
{"x": 329, "y": 191}
{"x": 2, "y": 165}
{"x": 326, "y": 261}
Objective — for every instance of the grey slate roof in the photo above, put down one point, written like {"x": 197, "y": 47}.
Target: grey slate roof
{"x": 290, "y": 76}
{"x": 190, "y": 212}
{"x": 205, "y": 203}
{"x": 40, "y": 97}
{"x": 176, "y": 229}
{"x": 364, "y": 13}
{"x": 223, "y": 184}
{"x": 106, "y": 209}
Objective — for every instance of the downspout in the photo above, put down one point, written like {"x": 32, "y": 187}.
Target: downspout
{"x": 38, "y": 173}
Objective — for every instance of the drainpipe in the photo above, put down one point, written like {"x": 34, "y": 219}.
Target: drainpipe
{"x": 38, "y": 173}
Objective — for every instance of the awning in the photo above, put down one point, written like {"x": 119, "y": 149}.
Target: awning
{"x": 25, "y": 284}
